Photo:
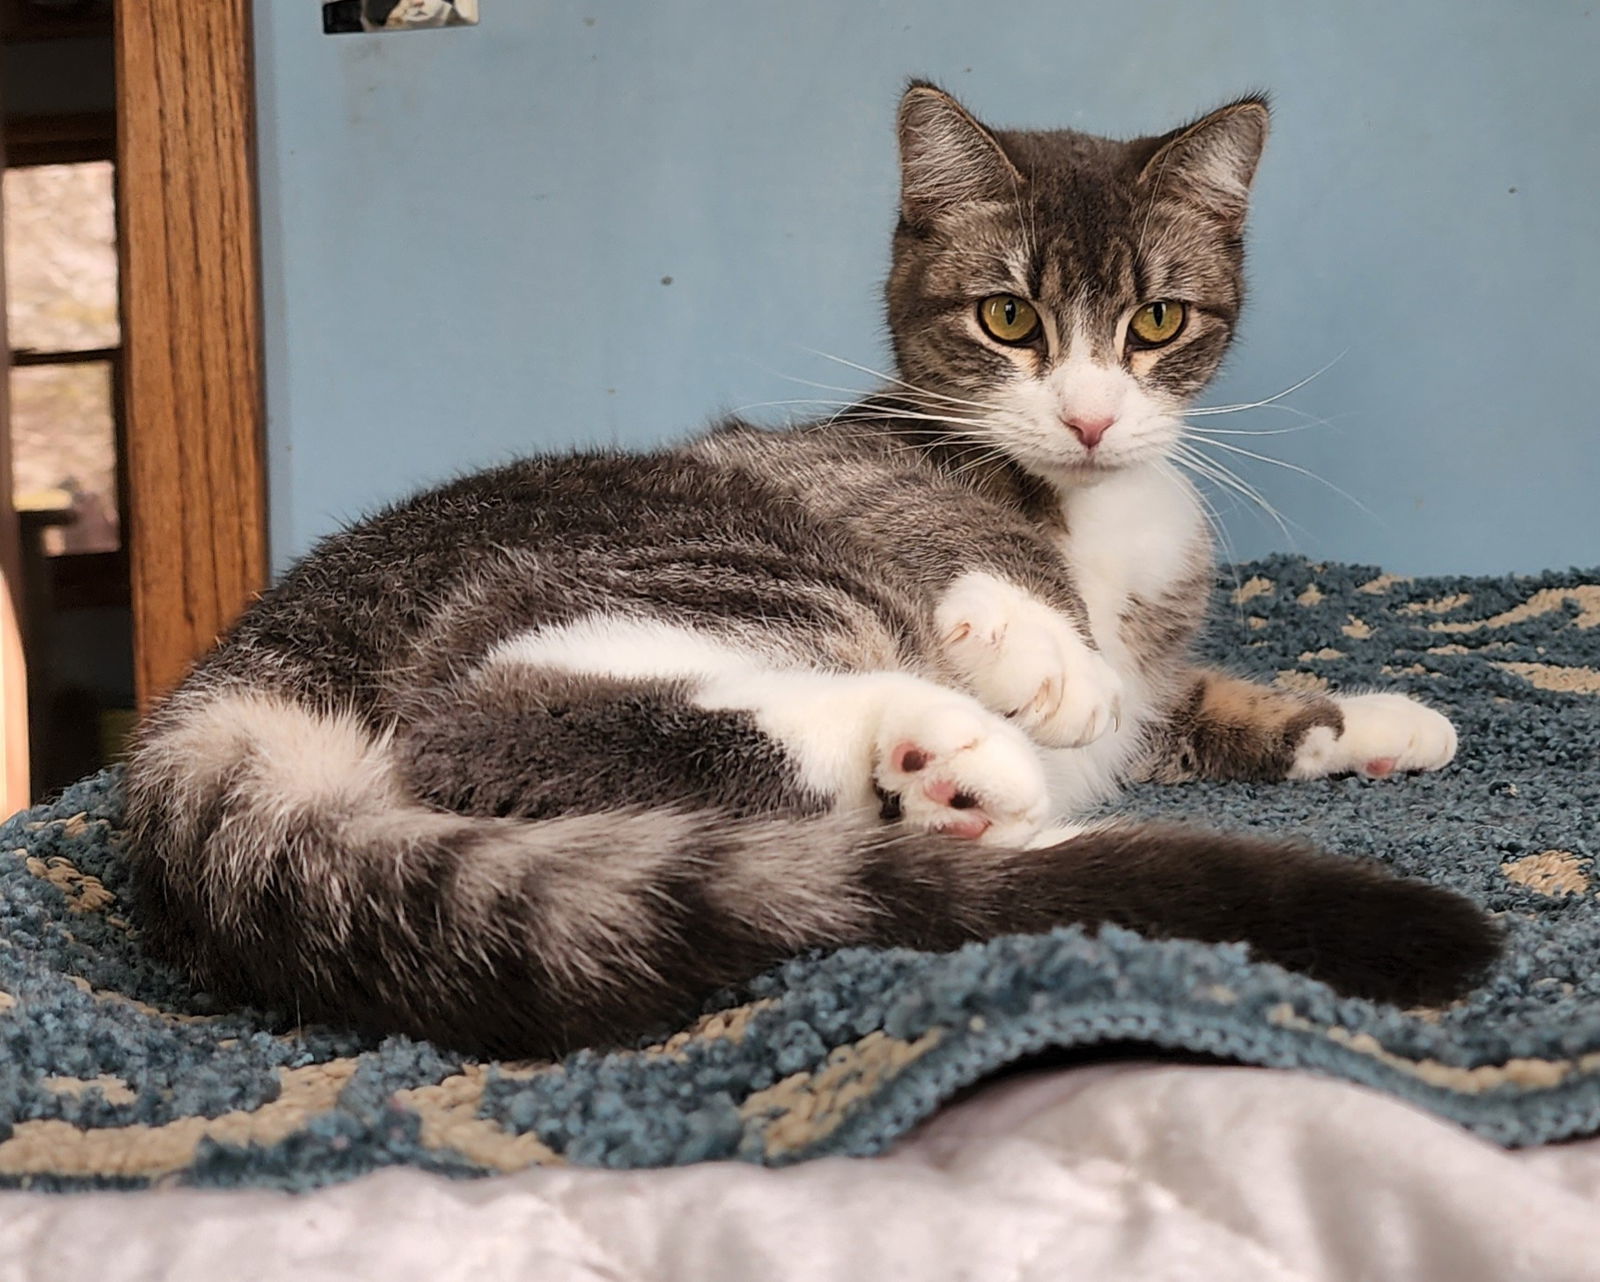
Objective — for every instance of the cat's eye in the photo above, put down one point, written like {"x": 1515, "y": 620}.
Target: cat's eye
{"x": 1008, "y": 319}
{"x": 1157, "y": 323}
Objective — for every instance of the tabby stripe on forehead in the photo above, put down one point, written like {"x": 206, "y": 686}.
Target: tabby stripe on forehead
{"x": 1036, "y": 267}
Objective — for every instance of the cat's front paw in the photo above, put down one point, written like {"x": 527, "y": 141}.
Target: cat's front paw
{"x": 1383, "y": 734}
{"x": 1026, "y": 661}
{"x": 944, "y": 764}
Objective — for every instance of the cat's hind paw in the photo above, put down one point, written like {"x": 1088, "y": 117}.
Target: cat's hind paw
{"x": 944, "y": 764}
{"x": 1384, "y": 734}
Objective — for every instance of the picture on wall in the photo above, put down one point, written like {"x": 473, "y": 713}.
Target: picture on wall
{"x": 344, "y": 16}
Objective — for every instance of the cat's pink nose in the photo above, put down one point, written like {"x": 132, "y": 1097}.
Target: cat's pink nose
{"x": 1088, "y": 429}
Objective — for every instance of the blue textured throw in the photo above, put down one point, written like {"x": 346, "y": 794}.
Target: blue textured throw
{"x": 114, "y": 1073}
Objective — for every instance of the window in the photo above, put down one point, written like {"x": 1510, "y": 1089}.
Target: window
{"x": 61, "y": 310}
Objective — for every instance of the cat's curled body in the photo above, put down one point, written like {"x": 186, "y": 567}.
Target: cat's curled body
{"x": 544, "y": 757}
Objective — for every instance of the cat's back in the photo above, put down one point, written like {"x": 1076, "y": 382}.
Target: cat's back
{"x": 538, "y": 540}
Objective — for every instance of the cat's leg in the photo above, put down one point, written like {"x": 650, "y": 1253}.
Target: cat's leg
{"x": 532, "y": 742}
{"x": 1028, "y": 661}
{"x": 895, "y": 746}
{"x": 517, "y": 739}
{"x": 1229, "y": 728}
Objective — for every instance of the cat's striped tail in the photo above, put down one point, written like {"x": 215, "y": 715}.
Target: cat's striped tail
{"x": 280, "y": 862}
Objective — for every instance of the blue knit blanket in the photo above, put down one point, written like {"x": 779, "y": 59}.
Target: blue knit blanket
{"x": 113, "y": 1072}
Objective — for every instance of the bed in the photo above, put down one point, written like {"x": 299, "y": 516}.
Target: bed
{"x": 1078, "y": 1103}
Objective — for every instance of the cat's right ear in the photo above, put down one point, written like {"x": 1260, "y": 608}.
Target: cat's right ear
{"x": 946, "y": 157}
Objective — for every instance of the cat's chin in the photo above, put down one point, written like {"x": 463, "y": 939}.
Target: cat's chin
{"x": 1076, "y": 473}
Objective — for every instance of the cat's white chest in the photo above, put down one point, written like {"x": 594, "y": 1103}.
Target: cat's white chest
{"x": 1133, "y": 535}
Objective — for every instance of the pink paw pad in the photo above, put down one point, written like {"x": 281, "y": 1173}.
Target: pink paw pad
{"x": 971, "y": 822}
{"x": 908, "y": 758}
{"x": 1379, "y": 767}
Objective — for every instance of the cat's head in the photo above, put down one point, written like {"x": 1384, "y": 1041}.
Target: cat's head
{"x": 1064, "y": 297}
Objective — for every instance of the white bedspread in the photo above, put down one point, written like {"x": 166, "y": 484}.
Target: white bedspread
{"x": 1129, "y": 1171}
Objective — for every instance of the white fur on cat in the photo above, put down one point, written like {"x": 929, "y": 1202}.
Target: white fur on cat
{"x": 1130, "y": 533}
{"x": 1029, "y": 661}
{"x": 627, "y": 646}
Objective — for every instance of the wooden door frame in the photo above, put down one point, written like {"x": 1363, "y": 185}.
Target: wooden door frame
{"x": 191, "y": 306}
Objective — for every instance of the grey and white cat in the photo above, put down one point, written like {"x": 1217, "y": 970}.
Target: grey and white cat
{"x": 544, "y": 757}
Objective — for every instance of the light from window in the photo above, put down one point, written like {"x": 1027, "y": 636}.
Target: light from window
{"x": 61, "y": 257}
{"x": 64, "y": 453}
{"x": 61, "y": 313}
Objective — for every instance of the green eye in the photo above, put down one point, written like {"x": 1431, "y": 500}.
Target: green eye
{"x": 1008, "y": 319}
{"x": 1157, "y": 323}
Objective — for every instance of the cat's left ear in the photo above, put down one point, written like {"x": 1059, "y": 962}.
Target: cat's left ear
{"x": 1213, "y": 160}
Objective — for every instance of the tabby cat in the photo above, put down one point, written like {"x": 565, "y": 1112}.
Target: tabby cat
{"x": 544, "y": 757}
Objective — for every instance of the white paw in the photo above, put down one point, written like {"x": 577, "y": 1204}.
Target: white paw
{"x": 1026, "y": 661}
{"x": 950, "y": 766}
{"x": 1383, "y": 734}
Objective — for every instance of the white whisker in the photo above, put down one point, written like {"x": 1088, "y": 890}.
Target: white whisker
{"x": 867, "y": 412}
{"x": 1213, "y": 520}
{"x": 1294, "y": 467}
{"x": 1219, "y": 474}
{"x": 1251, "y": 431}
{"x": 1155, "y": 191}
{"x": 1200, "y": 410}
{"x": 899, "y": 382}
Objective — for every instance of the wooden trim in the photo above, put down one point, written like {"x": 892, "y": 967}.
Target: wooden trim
{"x": 196, "y": 527}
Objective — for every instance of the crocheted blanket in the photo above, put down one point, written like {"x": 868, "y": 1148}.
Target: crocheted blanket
{"x": 113, "y": 1072}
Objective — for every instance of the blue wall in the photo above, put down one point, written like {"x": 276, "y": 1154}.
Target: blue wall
{"x": 468, "y": 233}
